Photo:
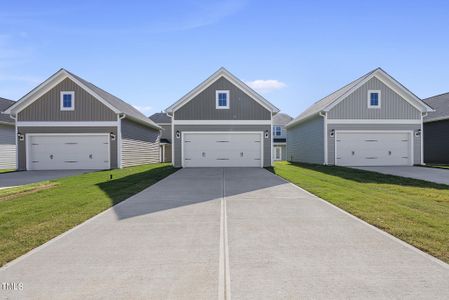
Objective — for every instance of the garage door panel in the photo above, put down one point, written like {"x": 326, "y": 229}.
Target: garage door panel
{"x": 54, "y": 152}
{"x": 222, "y": 150}
{"x": 373, "y": 148}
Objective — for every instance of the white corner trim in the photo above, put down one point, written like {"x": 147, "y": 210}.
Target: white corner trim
{"x": 228, "y": 100}
{"x": 379, "y": 92}
{"x": 61, "y": 100}
{"x": 326, "y": 139}
{"x": 271, "y": 138}
{"x": 373, "y": 121}
{"x": 221, "y": 122}
{"x": 68, "y": 124}
{"x": 119, "y": 141}
{"x": 173, "y": 140}
{"x": 422, "y": 141}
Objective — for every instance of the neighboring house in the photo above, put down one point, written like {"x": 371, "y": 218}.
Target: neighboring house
{"x": 280, "y": 136}
{"x": 373, "y": 120}
{"x": 7, "y": 137}
{"x": 222, "y": 123}
{"x": 164, "y": 121}
{"x": 69, "y": 123}
{"x": 436, "y": 130}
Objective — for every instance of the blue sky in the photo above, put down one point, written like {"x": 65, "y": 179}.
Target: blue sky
{"x": 295, "y": 52}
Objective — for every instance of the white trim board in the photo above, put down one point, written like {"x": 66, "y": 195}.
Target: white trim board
{"x": 68, "y": 124}
{"x": 222, "y": 72}
{"x": 222, "y": 122}
{"x": 373, "y": 121}
{"x": 262, "y": 142}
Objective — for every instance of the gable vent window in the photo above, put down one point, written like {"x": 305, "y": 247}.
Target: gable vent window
{"x": 67, "y": 100}
{"x": 374, "y": 99}
{"x": 222, "y": 99}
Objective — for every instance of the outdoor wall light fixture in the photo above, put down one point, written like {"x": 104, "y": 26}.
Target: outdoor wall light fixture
{"x": 178, "y": 134}
{"x": 20, "y": 136}
{"x": 332, "y": 133}
{"x": 112, "y": 136}
{"x": 266, "y": 134}
{"x": 418, "y": 133}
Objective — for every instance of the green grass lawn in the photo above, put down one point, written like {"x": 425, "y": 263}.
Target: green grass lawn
{"x": 437, "y": 166}
{"x": 33, "y": 214}
{"x": 6, "y": 170}
{"x": 415, "y": 211}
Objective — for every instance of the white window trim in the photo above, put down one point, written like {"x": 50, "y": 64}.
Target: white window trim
{"x": 72, "y": 93}
{"x": 228, "y": 100}
{"x": 275, "y": 131}
{"x": 369, "y": 98}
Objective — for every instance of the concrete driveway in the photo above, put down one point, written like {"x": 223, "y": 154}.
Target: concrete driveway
{"x": 226, "y": 233}
{"x": 12, "y": 179}
{"x": 422, "y": 173}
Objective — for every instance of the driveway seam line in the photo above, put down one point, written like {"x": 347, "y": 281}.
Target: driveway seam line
{"x": 224, "y": 283}
{"x": 392, "y": 237}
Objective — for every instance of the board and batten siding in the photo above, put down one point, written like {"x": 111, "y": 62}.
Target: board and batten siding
{"x": 241, "y": 106}
{"x": 374, "y": 127}
{"x": 140, "y": 144}
{"x": 177, "y": 143}
{"x": 436, "y": 142}
{"x": 48, "y": 107}
{"x": 7, "y": 147}
{"x": 59, "y": 130}
{"x": 392, "y": 106}
{"x": 306, "y": 141}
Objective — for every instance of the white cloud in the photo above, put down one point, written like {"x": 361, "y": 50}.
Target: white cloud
{"x": 143, "y": 109}
{"x": 268, "y": 85}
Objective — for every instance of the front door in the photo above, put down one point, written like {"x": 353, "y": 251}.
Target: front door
{"x": 277, "y": 153}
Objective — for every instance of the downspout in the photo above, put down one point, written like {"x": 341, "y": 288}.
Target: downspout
{"x": 120, "y": 117}
{"x": 423, "y": 115}
{"x": 14, "y": 117}
{"x": 324, "y": 115}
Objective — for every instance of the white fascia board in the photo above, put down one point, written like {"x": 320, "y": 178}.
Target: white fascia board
{"x": 373, "y": 121}
{"x": 295, "y": 122}
{"x": 67, "y": 124}
{"x": 222, "y": 72}
{"x": 222, "y": 122}
{"x": 392, "y": 84}
{"x": 436, "y": 119}
{"x": 154, "y": 125}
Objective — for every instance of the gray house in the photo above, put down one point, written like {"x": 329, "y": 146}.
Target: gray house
{"x": 436, "y": 130}
{"x": 373, "y": 120}
{"x": 164, "y": 121}
{"x": 222, "y": 123}
{"x": 69, "y": 123}
{"x": 280, "y": 136}
{"x": 7, "y": 137}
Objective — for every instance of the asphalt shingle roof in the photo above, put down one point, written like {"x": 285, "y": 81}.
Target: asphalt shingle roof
{"x": 4, "y": 104}
{"x": 440, "y": 104}
{"x": 160, "y": 118}
{"x": 116, "y": 102}
{"x": 281, "y": 119}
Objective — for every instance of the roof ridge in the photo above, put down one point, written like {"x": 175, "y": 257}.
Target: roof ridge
{"x": 435, "y": 96}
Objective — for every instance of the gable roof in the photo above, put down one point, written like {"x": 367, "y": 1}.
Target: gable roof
{"x": 440, "y": 103}
{"x": 281, "y": 119}
{"x": 330, "y": 101}
{"x": 222, "y": 72}
{"x": 5, "y": 118}
{"x": 114, "y": 103}
{"x": 160, "y": 118}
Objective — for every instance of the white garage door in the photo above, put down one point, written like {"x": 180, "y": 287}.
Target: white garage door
{"x": 373, "y": 148}
{"x": 57, "y": 152}
{"x": 235, "y": 149}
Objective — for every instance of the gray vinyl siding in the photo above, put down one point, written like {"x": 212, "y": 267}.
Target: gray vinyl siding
{"x": 47, "y": 107}
{"x": 355, "y": 106}
{"x": 436, "y": 142}
{"x": 140, "y": 144}
{"x": 306, "y": 141}
{"x": 7, "y": 147}
{"x": 166, "y": 132}
{"x": 241, "y": 106}
{"x": 25, "y": 130}
{"x": 176, "y": 143}
{"x": 365, "y": 127}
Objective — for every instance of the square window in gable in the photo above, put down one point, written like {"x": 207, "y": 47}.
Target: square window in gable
{"x": 67, "y": 101}
{"x": 222, "y": 99}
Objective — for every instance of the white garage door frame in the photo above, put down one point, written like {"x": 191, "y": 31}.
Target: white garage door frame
{"x": 224, "y": 132}
{"x": 29, "y": 135}
{"x": 410, "y": 132}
